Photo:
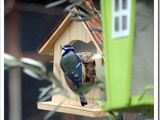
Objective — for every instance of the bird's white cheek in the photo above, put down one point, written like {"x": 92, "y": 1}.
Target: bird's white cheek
{"x": 62, "y": 51}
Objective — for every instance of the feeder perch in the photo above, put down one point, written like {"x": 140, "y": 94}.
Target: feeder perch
{"x": 86, "y": 43}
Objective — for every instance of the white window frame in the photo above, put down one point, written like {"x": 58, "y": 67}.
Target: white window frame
{"x": 118, "y": 14}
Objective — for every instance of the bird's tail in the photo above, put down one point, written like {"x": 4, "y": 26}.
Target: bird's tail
{"x": 82, "y": 99}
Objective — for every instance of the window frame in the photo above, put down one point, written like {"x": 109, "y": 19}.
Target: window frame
{"x": 118, "y": 12}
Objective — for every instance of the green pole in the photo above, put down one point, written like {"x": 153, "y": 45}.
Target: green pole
{"x": 118, "y": 59}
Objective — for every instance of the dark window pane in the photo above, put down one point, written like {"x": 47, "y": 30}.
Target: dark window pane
{"x": 124, "y": 4}
{"x": 124, "y": 22}
{"x": 116, "y": 24}
{"x": 116, "y": 5}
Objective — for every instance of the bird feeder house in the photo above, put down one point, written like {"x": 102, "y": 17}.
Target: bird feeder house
{"x": 128, "y": 67}
{"x": 86, "y": 43}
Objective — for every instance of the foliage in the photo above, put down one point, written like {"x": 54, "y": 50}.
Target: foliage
{"x": 85, "y": 12}
{"x": 38, "y": 71}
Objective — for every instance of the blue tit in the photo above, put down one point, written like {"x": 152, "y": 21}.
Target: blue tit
{"x": 72, "y": 67}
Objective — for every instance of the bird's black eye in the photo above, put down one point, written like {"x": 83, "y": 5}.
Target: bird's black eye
{"x": 63, "y": 48}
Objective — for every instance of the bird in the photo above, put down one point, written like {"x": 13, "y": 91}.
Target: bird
{"x": 72, "y": 67}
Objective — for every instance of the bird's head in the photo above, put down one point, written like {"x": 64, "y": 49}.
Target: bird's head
{"x": 66, "y": 49}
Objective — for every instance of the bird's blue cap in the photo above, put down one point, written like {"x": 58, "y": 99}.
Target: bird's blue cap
{"x": 67, "y": 47}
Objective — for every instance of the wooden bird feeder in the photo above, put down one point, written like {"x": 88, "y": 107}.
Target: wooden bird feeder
{"x": 86, "y": 42}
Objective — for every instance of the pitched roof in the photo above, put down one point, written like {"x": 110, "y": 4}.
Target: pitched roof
{"x": 51, "y": 39}
{"x": 95, "y": 22}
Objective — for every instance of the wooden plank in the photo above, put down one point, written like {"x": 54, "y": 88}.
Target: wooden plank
{"x": 76, "y": 110}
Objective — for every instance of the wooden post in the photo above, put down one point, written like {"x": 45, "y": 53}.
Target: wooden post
{"x": 14, "y": 75}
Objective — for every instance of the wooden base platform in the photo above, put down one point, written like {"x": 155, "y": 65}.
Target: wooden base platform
{"x": 76, "y": 110}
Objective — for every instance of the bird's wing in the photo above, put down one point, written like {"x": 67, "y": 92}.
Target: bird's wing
{"x": 83, "y": 68}
{"x": 76, "y": 75}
